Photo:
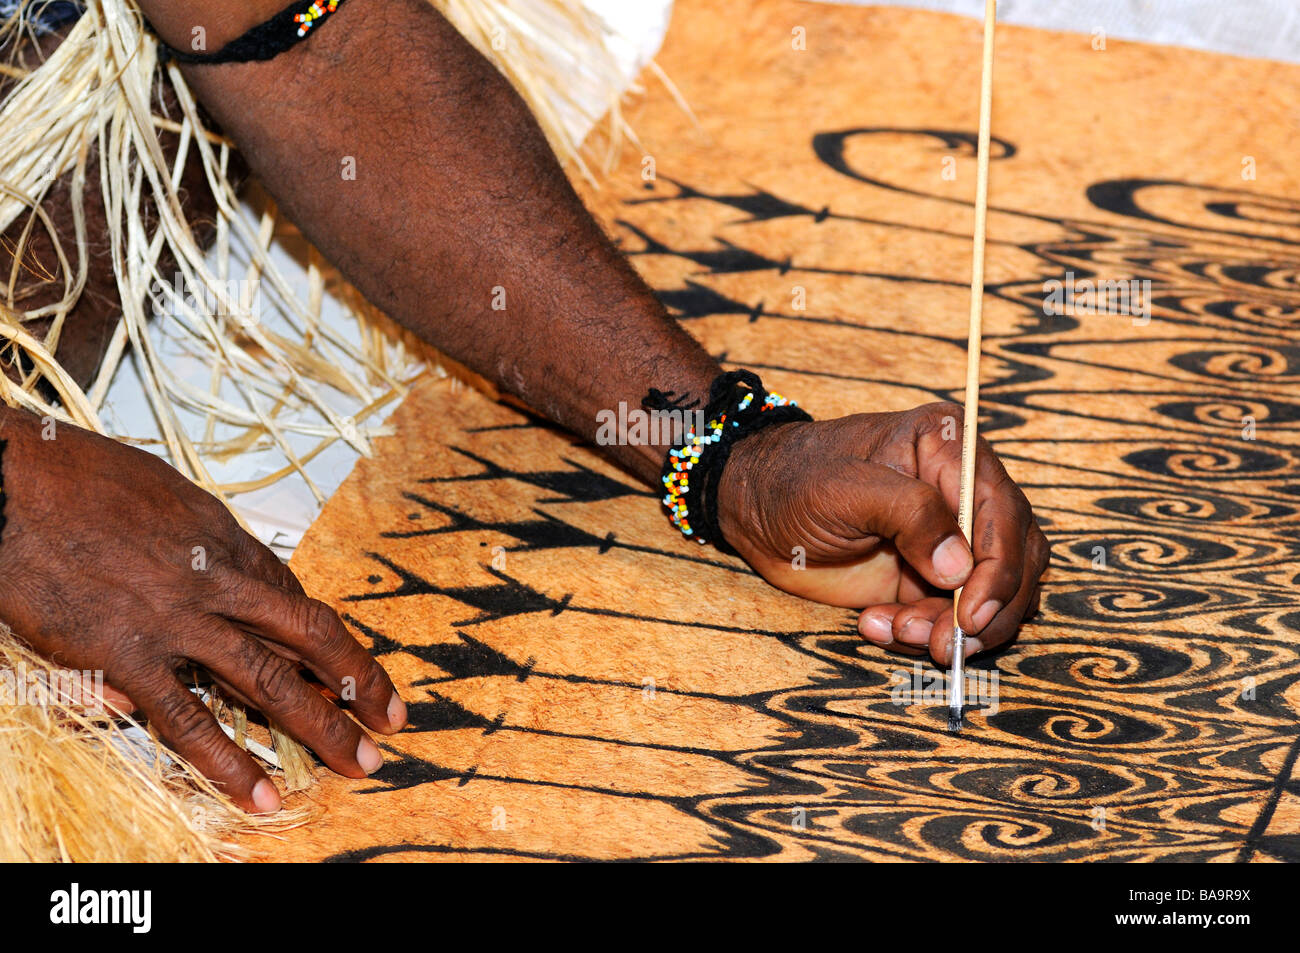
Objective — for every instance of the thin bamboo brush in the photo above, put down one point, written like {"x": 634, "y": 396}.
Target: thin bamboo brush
{"x": 970, "y": 431}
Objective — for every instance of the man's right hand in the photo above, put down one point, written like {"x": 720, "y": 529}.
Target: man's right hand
{"x": 111, "y": 560}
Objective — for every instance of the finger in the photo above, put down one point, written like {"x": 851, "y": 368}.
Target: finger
{"x": 941, "y": 641}
{"x": 912, "y": 587}
{"x": 938, "y": 449}
{"x": 188, "y": 728}
{"x": 914, "y": 515}
{"x": 876, "y": 625}
{"x": 261, "y": 562}
{"x": 313, "y": 631}
{"x": 275, "y": 687}
{"x": 1001, "y": 515}
{"x": 1007, "y": 622}
{"x": 1001, "y": 524}
{"x": 1035, "y": 602}
{"x": 1004, "y": 625}
{"x": 913, "y": 623}
{"x": 119, "y": 702}
{"x": 98, "y": 698}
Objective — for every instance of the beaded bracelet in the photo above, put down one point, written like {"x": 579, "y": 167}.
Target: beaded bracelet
{"x": 266, "y": 40}
{"x": 738, "y": 406}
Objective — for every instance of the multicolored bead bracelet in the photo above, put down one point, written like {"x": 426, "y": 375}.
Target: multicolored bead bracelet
{"x": 266, "y": 40}
{"x": 738, "y": 406}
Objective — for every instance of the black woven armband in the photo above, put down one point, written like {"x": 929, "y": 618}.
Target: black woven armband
{"x": 267, "y": 40}
{"x": 738, "y": 406}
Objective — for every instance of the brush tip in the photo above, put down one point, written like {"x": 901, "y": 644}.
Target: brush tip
{"x": 955, "y": 719}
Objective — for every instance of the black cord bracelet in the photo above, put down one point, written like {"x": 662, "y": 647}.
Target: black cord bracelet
{"x": 267, "y": 40}
{"x": 738, "y": 406}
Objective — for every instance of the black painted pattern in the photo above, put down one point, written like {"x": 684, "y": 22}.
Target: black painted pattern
{"x": 1150, "y": 713}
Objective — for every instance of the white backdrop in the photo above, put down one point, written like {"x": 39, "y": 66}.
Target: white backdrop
{"x": 1261, "y": 28}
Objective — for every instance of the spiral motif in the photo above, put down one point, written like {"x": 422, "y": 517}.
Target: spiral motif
{"x": 1001, "y": 835}
{"x": 1199, "y": 209}
{"x": 1182, "y": 508}
{"x": 1149, "y": 552}
{"x": 1242, "y": 363}
{"x": 1276, "y": 211}
{"x": 1130, "y": 602}
{"x": 1078, "y": 728}
{"x": 1045, "y": 785}
{"x": 1210, "y": 461}
{"x": 1273, "y": 313}
{"x": 1283, "y": 278}
{"x": 1249, "y": 313}
{"x": 1233, "y": 415}
{"x": 1091, "y": 666}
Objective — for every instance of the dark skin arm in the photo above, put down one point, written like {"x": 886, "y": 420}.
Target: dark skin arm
{"x": 456, "y": 194}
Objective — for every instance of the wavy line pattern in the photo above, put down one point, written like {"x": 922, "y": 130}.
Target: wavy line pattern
{"x": 589, "y": 686}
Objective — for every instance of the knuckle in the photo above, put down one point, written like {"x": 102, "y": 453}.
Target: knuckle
{"x": 183, "y": 723}
{"x": 1008, "y": 492}
{"x": 1006, "y": 581}
{"x": 335, "y": 654}
{"x": 323, "y": 629}
{"x": 285, "y": 578}
{"x": 940, "y": 409}
{"x": 275, "y": 679}
{"x": 234, "y": 591}
{"x": 374, "y": 681}
{"x": 333, "y": 729}
{"x": 311, "y": 617}
{"x": 258, "y": 558}
{"x": 214, "y": 513}
{"x": 1024, "y": 510}
{"x": 931, "y": 510}
{"x": 1040, "y": 553}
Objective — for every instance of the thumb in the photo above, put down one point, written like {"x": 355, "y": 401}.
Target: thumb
{"x": 916, "y": 517}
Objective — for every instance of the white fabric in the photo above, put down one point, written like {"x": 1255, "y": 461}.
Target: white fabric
{"x": 1268, "y": 29}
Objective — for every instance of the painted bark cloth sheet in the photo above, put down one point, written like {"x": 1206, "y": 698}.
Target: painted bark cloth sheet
{"x": 584, "y": 683}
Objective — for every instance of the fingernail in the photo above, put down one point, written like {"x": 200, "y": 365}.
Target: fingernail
{"x": 265, "y": 797}
{"x": 368, "y": 756}
{"x": 972, "y": 646}
{"x": 916, "y": 632}
{"x": 985, "y": 613}
{"x": 952, "y": 560}
{"x": 396, "y": 712}
{"x": 877, "y": 629}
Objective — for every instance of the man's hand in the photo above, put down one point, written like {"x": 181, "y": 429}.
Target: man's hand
{"x": 111, "y": 560}
{"x": 869, "y": 502}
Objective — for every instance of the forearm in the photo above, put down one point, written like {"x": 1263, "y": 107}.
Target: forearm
{"x": 457, "y": 204}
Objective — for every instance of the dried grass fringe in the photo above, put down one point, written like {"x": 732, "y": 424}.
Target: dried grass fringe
{"x": 266, "y": 385}
{"x": 68, "y": 789}
{"x": 74, "y": 786}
